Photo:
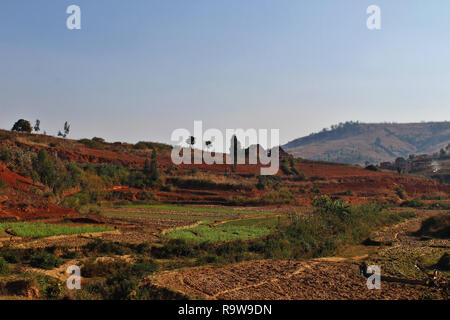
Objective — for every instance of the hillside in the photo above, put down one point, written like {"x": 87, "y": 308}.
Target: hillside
{"x": 71, "y": 174}
{"x": 359, "y": 143}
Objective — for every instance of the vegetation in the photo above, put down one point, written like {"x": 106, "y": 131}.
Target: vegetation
{"x": 331, "y": 225}
{"x": 66, "y": 130}
{"x": 415, "y": 203}
{"x": 5, "y": 155}
{"x": 372, "y": 167}
{"x": 22, "y": 126}
{"x": 4, "y": 266}
{"x": 444, "y": 262}
{"x": 41, "y": 229}
{"x": 2, "y": 184}
{"x": 221, "y": 233}
{"x": 438, "y": 226}
{"x": 358, "y": 143}
{"x": 45, "y": 260}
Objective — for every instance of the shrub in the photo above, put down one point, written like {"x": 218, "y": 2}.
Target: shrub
{"x": 100, "y": 247}
{"x": 5, "y": 155}
{"x": 93, "y": 144}
{"x": 438, "y": 226}
{"x": 51, "y": 287}
{"x": 444, "y": 262}
{"x": 4, "y": 266}
{"x": 283, "y": 196}
{"x": 121, "y": 286}
{"x": 2, "y": 184}
{"x": 372, "y": 167}
{"x": 285, "y": 168}
{"x": 93, "y": 269}
{"x": 267, "y": 182}
{"x": 45, "y": 168}
{"x": 400, "y": 192}
{"x": 174, "y": 248}
{"x": 144, "y": 267}
{"x": 415, "y": 203}
{"x": 44, "y": 260}
{"x": 142, "y": 145}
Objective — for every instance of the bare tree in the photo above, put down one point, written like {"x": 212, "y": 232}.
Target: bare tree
{"x": 37, "y": 125}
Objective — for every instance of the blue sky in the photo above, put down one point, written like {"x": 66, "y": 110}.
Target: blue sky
{"x": 140, "y": 69}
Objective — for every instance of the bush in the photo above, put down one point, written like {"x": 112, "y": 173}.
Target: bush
{"x": 44, "y": 260}
{"x": 438, "y": 226}
{"x": 415, "y": 203}
{"x": 444, "y": 262}
{"x": 93, "y": 268}
{"x": 100, "y": 247}
{"x": 5, "y": 155}
{"x": 142, "y": 145}
{"x": 283, "y": 196}
{"x": 51, "y": 287}
{"x": 400, "y": 192}
{"x": 372, "y": 167}
{"x": 93, "y": 144}
{"x": 4, "y": 266}
{"x": 144, "y": 267}
{"x": 2, "y": 184}
{"x": 174, "y": 248}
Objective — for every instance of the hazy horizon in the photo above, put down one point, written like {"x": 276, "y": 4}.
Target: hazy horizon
{"x": 137, "y": 71}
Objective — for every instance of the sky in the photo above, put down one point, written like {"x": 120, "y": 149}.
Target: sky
{"x": 137, "y": 70}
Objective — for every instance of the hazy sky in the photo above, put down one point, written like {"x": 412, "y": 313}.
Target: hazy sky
{"x": 140, "y": 69}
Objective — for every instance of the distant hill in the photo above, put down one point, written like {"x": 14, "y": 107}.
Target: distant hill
{"x": 358, "y": 143}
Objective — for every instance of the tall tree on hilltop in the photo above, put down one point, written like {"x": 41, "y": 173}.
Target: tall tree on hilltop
{"x": 37, "y": 125}
{"x": 154, "y": 172}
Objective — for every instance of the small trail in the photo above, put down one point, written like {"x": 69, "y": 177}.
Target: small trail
{"x": 189, "y": 226}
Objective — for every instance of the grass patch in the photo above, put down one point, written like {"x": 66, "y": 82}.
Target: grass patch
{"x": 235, "y": 230}
{"x": 191, "y": 209}
{"x": 41, "y": 229}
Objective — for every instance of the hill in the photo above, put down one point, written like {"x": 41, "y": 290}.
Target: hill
{"x": 71, "y": 175}
{"x": 361, "y": 143}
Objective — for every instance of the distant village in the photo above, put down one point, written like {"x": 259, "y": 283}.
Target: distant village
{"x": 421, "y": 163}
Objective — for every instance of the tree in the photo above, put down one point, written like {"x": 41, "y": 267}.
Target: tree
{"x": 37, "y": 125}
{"x": 151, "y": 172}
{"x": 147, "y": 171}
{"x": 22, "y": 126}
{"x": 45, "y": 169}
{"x": 190, "y": 141}
{"x": 154, "y": 172}
{"x": 66, "y": 130}
{"x": 234, "y": 150}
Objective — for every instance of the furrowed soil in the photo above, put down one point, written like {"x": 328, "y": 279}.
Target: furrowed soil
{"x": 319, "y": 279}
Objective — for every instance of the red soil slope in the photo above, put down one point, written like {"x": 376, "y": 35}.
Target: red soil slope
{"x": 17, "y": 202}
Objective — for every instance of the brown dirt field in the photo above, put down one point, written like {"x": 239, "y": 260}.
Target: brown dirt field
{"x": 274, "y": 280}
{"x": 332, "y": 278}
